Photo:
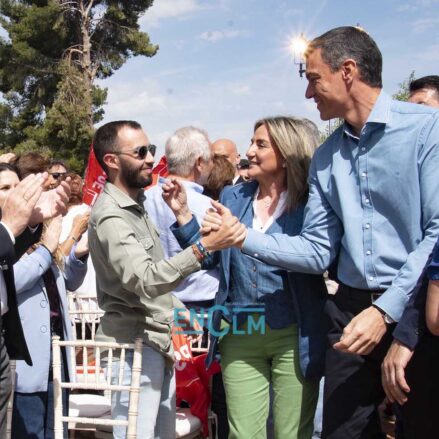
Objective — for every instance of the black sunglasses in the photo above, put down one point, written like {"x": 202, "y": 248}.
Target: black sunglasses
{"x": 57, "y": 175}
{"x": 140, "y": 151}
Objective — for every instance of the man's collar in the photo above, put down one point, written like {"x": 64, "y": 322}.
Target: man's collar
{"x": 380, "y": 114}
{"x": 381, "y": 110}
{"x": 121, "y": 198}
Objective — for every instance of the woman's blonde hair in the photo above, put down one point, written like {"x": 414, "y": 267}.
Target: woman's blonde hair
{"x": 296, "y": 139}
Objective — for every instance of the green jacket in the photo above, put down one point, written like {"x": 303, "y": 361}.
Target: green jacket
{"x": 132, "y": 278}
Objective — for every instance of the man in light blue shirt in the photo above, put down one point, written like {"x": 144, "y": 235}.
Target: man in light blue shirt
{"x": 189, "y": 157}
{"x": 374, "y": 205}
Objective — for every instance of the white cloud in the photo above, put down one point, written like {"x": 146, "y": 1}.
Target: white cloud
{"x": 218, "y": 35}
{"x": 162, "y": 9}
{"x": 135, "y": 100}
{"x": 416, "y": 5}
{"x": 424, "y": 24}
{"x": 406, "y": 8}
{"x": 241, "y": 89}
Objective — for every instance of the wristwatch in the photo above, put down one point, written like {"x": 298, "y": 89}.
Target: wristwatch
{"x": 387, "y": 319}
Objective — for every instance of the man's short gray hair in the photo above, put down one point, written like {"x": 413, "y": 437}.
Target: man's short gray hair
{"x": 183, "y": 149}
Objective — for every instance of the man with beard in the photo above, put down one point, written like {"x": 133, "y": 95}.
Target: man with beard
{"x": 133, "y": 281}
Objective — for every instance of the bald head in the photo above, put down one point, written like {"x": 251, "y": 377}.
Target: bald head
{"x": 227, "y": 148}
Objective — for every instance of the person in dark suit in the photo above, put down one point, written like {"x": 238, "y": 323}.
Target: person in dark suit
{"x": 25, "y": 204}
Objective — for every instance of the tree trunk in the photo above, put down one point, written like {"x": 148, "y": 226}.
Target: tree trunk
{"x": 85, "y": 61}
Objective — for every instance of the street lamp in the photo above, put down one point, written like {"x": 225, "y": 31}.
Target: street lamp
{"x": 299, "y": 46}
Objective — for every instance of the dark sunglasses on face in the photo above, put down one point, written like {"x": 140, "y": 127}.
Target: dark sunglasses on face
{"x": 140, "y": 151}
{"x": 57, "y": 175}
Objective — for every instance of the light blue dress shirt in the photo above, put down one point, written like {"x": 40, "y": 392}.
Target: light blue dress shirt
{"x": 202, "y": 285}
{"x": 374, "y": 200}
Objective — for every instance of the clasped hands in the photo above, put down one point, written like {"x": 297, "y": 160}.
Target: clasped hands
{"x": 27, "y": 204}
{"x": 219, "y": 229}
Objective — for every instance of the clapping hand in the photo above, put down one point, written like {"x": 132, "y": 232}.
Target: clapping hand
{"x": 51, "y": 234}
{"x": 20, "y": 204}
{"x": 51, "y": 203}
{"x": 81, "y": 248}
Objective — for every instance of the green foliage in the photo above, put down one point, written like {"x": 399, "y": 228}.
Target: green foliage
{"x": 48, "y": 66}
{"x": 332, "y": 125}
{"x": 402, "y": 94}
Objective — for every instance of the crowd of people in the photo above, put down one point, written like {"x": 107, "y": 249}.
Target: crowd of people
{"x": 254, "y": 240}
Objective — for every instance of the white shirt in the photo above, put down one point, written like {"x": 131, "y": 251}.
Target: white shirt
{"x": 88, "y": 286}
{"x": 280, "y": 208}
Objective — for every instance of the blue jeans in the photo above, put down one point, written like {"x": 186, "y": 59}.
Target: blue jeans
{"x": 156, "y": 414}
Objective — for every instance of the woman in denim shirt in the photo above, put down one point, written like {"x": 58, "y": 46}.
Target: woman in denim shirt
{"x": 271, "y": 322}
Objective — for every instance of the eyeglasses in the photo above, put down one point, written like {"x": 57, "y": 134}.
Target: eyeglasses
{"x": 139, "y": 151}
{"x": 57, "y": 175}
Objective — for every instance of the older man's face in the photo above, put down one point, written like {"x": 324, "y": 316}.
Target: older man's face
{"x": 227, "y": 149}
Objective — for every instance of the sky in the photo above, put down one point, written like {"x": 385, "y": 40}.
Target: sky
{"x": 223, "y": 64}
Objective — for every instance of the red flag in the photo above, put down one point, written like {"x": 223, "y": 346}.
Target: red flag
{"x": 94, "y": 180}
{"x": 160, "y": 170}
{"x": 192, "y": 378}
{"x": 95, "y": 177}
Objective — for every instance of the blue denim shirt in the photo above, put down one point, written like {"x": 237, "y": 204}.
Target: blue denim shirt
{"x": 254, "y": 283}
{"x": 374, "y": 202}
{"x": 433, "y": 268}
{"x": 307, "y": 291}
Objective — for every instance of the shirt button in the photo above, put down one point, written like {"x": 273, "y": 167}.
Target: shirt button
{"x": 254, "y": 268}
{"x": 367, "y": 201}
{"x": 256, "y": 255}
{"x": 43, "y": 329}
{"x": 367, "y": 226}
{"x": 363, "y": 148}
{"x": 364, "y": 174}
{"x": 43, "y": 304}
{"x": 253, "y": 285}
{"x": 371, "y": 278}
{"x": 368, "y": 252}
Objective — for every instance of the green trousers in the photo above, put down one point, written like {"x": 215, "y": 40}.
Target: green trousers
{"x": 249, "y": 364}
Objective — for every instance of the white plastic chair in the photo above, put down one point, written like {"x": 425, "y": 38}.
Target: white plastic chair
{"x": 94, "y": 379}
{"x": 85, "y": 315}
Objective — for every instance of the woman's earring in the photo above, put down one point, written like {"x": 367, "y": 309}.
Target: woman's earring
{"x": 284, "y": 164}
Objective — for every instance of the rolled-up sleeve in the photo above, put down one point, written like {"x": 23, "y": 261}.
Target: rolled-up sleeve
{"x": 132, "y": 261}
{"x": 310, "y": 252}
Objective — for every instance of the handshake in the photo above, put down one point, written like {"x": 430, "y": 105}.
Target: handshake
{"x": 219, "y": 229}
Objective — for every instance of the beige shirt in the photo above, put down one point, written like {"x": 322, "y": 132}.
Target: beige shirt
{"x": 132, "y": 278}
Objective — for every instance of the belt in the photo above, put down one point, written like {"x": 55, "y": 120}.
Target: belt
{"x": 359, "y": 294}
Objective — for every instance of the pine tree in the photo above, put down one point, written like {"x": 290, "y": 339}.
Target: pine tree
{"x": 403, "y": 92}
{"x": 49, "y": 65}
